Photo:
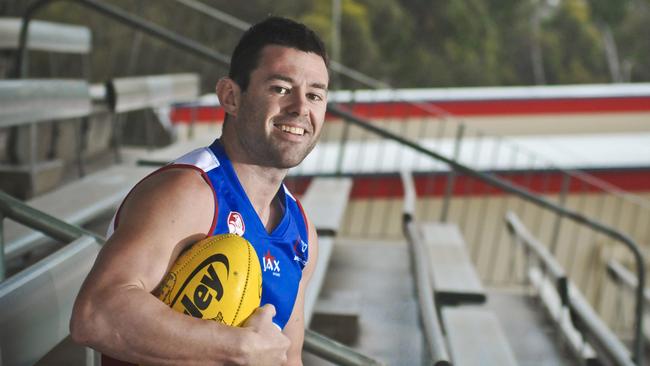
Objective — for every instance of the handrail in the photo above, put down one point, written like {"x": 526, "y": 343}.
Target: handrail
{"x": 549, "y": 264}
{"x": 589, "y": 320}
{"x": 420, "y": 270}
{"x": 63, "y": 231}
{"x": 41, "y": 221}
{"x": 621, "y": 275}
{"x": 333, "y": 351}
{"x": 122, "y": 17}
{"x": 523, "y": 193}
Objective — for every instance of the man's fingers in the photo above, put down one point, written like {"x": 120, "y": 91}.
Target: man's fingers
{"x": 267, "y": 311}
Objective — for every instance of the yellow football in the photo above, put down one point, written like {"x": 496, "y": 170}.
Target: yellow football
{"x": 218, "y": 278}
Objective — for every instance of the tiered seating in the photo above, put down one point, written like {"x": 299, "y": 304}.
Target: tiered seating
{"x": 473, "y": 333}
{"x": 587, "y": 335}
{"x": 46, "y": 36}
{"x": 36, "y": 304}
{"x": 626, "y": 280}
{"x": 29, "y": 103}
{"x": 88, "y": 198}
{"x": 324, "y": 202}
{"x": 460, "y": 330}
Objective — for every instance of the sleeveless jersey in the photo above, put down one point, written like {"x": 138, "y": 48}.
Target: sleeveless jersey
{"x": 283, "y": 253}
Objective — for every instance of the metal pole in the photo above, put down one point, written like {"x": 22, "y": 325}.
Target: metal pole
{"x": 452, "y": 174}
{"x": 342, "y": 145}
{"x": 57, "y": 229}
{"x": 420, "y": 271}
{"x": 335, "y": 352}
{"x": 80, "y": 146}
{"x": 2, "y": 247}
{"x": 117, "y": 136}
{"x": 336, "y": 39}
{"x": 33, "y": 156}
{"x": 566, "y": 182}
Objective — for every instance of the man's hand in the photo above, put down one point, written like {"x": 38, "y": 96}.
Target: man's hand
{"x": 268, "y": 346}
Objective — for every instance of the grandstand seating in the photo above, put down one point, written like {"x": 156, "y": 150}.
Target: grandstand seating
{"x": 587, "y": 335}
{"x": 324, "y": 202}
{"x": 458, "y": 293}
{"x": 453, "y": 276}
{"x": 36, "y": 304}
{"x": 28, "y": 103}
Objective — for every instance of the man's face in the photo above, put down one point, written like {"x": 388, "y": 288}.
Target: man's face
{"x": 281, "y": 114}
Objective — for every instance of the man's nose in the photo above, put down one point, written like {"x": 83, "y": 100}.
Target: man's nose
{"x": 298, "y": 104}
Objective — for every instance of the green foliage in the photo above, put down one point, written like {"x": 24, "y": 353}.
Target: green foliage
{"x": 406, "y": 43}
{"x": 635, "y": 47}
{"x": 584, "y": 61}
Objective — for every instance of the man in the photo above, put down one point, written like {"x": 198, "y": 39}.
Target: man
{"x": 275, "y": 100}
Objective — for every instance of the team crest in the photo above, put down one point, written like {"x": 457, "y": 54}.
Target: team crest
{"x": 300, "y": 252}
{"x": 236, "y": 223}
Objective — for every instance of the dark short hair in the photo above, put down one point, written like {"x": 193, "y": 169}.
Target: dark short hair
{"x": 272, "y": 31}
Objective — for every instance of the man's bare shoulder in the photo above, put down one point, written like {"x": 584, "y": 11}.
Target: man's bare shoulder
{"x": 166, "y": 212}
{"x": 171, "y": 191}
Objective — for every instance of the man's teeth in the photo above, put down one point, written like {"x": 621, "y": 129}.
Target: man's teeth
{"x": 293, "y": 130}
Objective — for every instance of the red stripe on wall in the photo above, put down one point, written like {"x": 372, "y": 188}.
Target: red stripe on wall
{"x": 457, "y": 108}
{"x": 432, "y": 185}
{"x": 505, "y": 107}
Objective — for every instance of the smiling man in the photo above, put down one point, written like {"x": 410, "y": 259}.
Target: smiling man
{"x": 275, "y": 99}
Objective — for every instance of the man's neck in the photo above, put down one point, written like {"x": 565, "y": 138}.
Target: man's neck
{"x": 261, "y": 185}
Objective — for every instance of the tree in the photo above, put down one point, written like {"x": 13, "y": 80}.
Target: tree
{"x": 582, "y": 62}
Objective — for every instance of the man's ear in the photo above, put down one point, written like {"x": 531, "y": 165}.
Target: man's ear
{"x": 229, "y": 95}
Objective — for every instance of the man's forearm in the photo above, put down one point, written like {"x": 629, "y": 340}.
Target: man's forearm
{"x": 132, "y": 325}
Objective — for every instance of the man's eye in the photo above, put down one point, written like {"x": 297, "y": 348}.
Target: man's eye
{"x": 314, "y": 97}
{"x": 280, "y": 90}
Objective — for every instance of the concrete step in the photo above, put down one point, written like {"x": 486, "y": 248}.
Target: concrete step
{"x": 388, "y": 320}
{"x": 531, "y": 334}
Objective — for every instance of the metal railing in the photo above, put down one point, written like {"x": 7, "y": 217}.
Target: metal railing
{"x": 570, "y": 298}
{"x": 14, "y": 209}
{"x": 503, "y": 185}
{"x": 350, "y": 150}
{"x": 429, "y": 319}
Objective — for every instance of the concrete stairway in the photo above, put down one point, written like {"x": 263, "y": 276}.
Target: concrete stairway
{"x": 388, "y": 320}
{"x": 530, "y": 333}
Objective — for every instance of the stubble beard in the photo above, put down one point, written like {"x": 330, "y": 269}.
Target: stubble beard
{"x": 286, "y": 155}
{"x": 270, "y": 152}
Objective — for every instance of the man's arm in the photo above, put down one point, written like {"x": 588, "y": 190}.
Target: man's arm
{"x": 295, "y": 328}
{"x": 115, "y": 312}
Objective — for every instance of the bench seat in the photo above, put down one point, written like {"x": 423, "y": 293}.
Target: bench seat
{"x": 475, "y": 337}
{"x": 453, "y": 274}
{"x": 77, "y": 203}
{"x": 324, "y": 203}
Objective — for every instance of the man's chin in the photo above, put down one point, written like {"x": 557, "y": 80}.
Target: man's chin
{"x": 288, "y": 160}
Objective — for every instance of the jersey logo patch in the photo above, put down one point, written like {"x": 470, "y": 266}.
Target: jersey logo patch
{"x": 271, "y": 264}
{"x": 236, "y": 223}
{"x": 300, "y": 252}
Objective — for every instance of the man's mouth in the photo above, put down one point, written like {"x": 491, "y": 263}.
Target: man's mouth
{"x": 292, "y": 130}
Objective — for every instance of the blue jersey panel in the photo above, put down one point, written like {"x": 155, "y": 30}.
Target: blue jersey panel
{"x": 283, "y": 253}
